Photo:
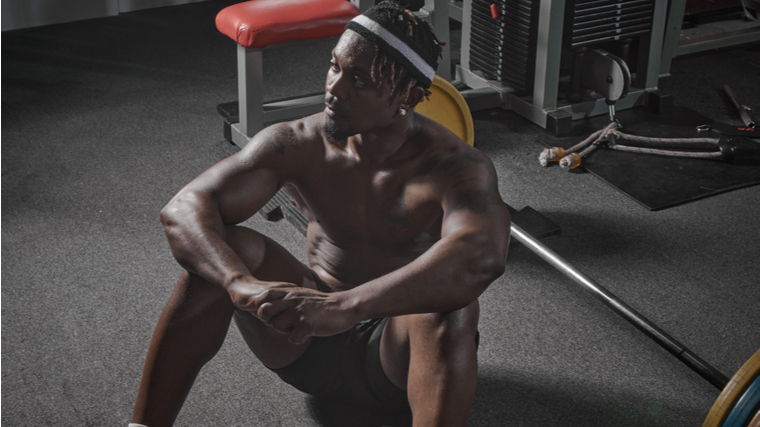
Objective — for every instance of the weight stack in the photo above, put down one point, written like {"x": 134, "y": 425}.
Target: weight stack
{"x": 593, "y": 22}
{"x": 504, "y": 49}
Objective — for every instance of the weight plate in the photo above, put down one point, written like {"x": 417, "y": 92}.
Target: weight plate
{"x": 733, "y": 391}
{"x": 745, "y": 406}
{"x": 448, "y": 107}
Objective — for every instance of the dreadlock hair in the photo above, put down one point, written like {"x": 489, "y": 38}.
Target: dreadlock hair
{"x": 386, "y": 65}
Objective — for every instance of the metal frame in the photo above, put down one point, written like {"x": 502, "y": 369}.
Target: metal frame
{"x": 253, "y": 112}
{"x": 716, "y": 41}
{"x": 673, "y": 46}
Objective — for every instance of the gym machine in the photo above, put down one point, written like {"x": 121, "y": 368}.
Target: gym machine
{"x": 554, "y": 61}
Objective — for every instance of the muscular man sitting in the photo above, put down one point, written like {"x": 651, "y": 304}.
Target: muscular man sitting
{"x": 406, "y": 229}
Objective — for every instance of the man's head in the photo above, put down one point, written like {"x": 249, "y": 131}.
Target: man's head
{"x": 390, "y": 58}
{"x": 405, "y": 46}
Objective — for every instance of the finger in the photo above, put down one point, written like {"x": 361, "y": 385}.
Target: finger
{"x": 285, "y": 321}
{"x": 267, "y": 311}
{"x": 301, "y": 332}
{"x": 270, "y": 294}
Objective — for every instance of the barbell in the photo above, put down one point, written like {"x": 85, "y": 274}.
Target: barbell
{"x": 738, "y": 404}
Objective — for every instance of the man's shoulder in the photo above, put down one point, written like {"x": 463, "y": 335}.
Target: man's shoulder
{"x": 443, "y": 150}
{"x": 297, "y": 133}
{"x": 290, "y": 140}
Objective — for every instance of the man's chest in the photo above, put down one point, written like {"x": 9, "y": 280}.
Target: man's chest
{"x": 392, "y": 208}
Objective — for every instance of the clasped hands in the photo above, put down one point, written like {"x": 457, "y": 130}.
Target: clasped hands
{"x": 297, "y": 311}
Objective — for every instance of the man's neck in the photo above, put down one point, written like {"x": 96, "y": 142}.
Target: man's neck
{"x": 385, "y": 144}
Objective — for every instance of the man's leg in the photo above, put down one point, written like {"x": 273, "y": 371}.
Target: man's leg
{"x": 434, "y": 358}
{"x": 194, "y": 323}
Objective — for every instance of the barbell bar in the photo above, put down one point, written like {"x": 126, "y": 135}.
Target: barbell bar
{"x": 616, "y": 304}
{"x": 739, "y": 402}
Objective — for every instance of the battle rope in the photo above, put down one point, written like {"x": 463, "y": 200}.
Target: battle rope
{"x": 570, "y": 158}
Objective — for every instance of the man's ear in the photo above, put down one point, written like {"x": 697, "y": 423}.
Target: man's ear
{"x": 415, "y": 96}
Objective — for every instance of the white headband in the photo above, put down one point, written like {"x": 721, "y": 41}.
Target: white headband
{"x": 414, "y": 58}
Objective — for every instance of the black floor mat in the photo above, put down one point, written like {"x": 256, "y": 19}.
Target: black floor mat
{"x": 658, "y": 182}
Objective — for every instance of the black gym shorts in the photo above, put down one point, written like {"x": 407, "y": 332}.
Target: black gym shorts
{"x": 346, "y": 367}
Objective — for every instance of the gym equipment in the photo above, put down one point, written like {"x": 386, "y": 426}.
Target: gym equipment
{"x": 522, "y": 50}
{"x": 740, "y": 109}
{"x": 740, "y": 395}
{"x": 735, "y": 392}
{"x": 674, "y": 45}
{"x": 258, "y": 24}
{"x": 446, "y": 106}
{"x": 727, "y": 148}
{"x": 743, "y": 408}
{"x": 541, "y": 59}
{"x": 660, "y": 182}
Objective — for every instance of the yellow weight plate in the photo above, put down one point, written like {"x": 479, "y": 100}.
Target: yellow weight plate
{"x": 448, "y": 107}
{"x": 733, "y": 391}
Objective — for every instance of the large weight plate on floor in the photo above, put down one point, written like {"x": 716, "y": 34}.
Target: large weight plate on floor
{"x": 733, "y": 391}
{"x": 745, "y": 407}
{"x": 448, "y": 107}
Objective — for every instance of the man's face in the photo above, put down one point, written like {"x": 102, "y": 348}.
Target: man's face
{"x": 355, "y": 103}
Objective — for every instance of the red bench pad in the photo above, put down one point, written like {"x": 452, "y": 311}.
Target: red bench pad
{"x": 257, "y": 23}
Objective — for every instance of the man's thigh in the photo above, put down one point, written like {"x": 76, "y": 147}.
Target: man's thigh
{"x": 269, "y": 261}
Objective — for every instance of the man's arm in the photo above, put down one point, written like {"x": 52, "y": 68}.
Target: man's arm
{"x": 469, "y": 256}
{"x": 228, "y": 193}
{"x": 450, "y": 275}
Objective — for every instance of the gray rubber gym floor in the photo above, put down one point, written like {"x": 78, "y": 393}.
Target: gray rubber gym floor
{"x": 104, "y": 120}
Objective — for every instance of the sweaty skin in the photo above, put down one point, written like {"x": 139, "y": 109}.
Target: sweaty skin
{"x": 405, "y": 221}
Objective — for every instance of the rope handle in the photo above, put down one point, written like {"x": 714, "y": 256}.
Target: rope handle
{"x": 570, "y": 158}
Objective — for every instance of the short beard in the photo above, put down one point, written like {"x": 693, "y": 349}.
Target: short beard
{"x": 334, "y": 134}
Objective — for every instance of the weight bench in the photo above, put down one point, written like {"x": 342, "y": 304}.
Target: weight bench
{"x": 258, "y": 24}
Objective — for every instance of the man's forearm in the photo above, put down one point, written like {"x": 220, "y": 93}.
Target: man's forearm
{"x": 197, "y": 238}
{"x": 450, "y": 275}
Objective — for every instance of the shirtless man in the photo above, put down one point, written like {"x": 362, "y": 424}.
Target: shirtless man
{"x": 406, "y": 230}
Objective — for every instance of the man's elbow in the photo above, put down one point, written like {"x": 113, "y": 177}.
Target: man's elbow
{"x": 166, "y": 214}
{"x": 484, "y": 265}
{"x": 488, "y": 253}
{"x": 477, "y": 274}
{"x": 178, "y": 211}
{"x": 170, "y": 215}
{"x": 489, "y": 268}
